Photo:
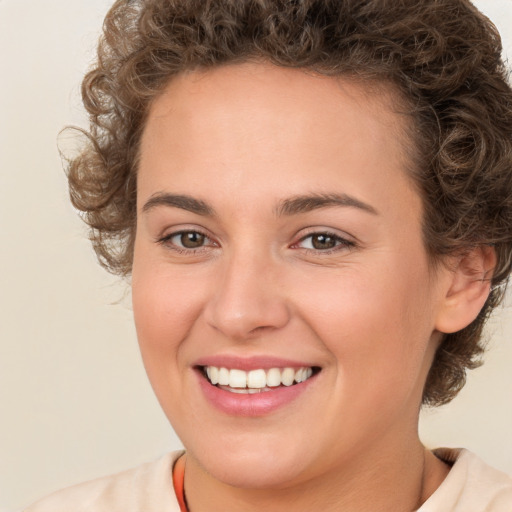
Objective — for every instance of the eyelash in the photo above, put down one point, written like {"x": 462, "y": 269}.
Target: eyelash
{"x": 340, "y": 242}
{"x": 167, "y": 241}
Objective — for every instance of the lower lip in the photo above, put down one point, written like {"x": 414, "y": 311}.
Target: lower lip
{"x": 256, "y": 404}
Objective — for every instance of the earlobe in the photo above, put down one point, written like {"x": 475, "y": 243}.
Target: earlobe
{"x": 468, "y": 287}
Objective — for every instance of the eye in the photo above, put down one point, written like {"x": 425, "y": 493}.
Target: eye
{"x": 323, "y": 241}
{"x": 186, "y": 240}
{"x": 189, "y": 239}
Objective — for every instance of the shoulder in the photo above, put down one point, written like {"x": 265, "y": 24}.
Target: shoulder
{"x": 146, "y": 488}
{"x": 471, "y": 486}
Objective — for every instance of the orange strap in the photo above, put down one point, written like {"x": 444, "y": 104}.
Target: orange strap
{"x": 178, "y": 478}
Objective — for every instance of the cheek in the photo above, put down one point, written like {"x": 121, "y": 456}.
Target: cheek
{"x": 356, "y": 302}
{"x": 165, "y": 307}
{"x": 165, "y": 310}
{"x": 377, "y": 325}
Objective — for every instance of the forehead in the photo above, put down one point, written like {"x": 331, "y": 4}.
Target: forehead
{"x": 257, "y": 119}
{"x": 262, "y": 94}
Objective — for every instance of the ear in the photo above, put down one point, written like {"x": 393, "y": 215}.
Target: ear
{"x": 467, "y": 288}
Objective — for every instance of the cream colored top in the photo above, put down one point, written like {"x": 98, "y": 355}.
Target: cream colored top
{"x": 471, "y": 486}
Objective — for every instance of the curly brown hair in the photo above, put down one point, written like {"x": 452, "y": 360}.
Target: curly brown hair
{"x": 442, "y": 56}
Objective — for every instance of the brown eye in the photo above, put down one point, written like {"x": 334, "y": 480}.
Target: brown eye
{"x": 191, "y": 239}
{"x": 187, "y": 242}
{"x": 323, "y": 241}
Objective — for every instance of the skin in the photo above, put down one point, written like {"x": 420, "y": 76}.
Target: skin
{"x": 243, "y": 139}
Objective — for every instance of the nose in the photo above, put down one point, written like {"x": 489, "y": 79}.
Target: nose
{"x": 248, "y": 300}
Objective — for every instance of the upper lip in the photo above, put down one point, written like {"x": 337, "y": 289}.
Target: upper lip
{"x": 250, "y": 363}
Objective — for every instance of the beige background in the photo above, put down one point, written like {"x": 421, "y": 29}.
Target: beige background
{"x": 74, "y": 400}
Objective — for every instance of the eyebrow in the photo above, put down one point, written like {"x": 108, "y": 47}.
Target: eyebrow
{"x": 306, "y": 203}
{"x": 291, "y": 206}
{"x": 181, "y": 201}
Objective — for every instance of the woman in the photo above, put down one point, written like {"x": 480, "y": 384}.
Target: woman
{"x": 313, "y": 200}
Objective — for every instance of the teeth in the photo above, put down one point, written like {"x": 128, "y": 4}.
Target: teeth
{"x": 273, "y": 377}
{"x": 223, "y": 377}
{"x": 237, "y": 379}
{"x": 213, "y": 374}
{"x": 244, "y": 391}
{"x": 255, "y": 381}
{"x": 288, "y": 376}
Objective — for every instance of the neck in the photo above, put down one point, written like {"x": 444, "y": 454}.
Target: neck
{"x": 396, "y": 479}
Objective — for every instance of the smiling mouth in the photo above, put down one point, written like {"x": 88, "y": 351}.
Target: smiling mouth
{"x": 256, "y": 381}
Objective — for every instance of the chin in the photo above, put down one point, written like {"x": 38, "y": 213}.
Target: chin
{"x": 256, "y": 473}
{"x": 262, "y": 465}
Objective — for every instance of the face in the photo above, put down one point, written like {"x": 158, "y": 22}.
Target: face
{"x": 279, "y": 240}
